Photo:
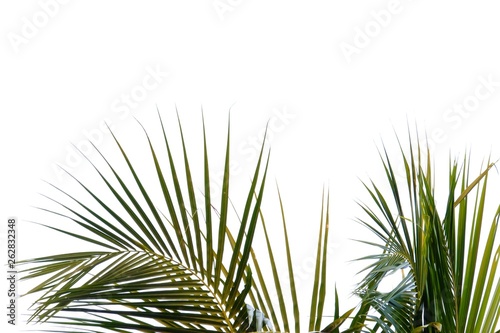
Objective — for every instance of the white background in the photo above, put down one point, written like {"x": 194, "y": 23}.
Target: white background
{"x": 282, "y": 61}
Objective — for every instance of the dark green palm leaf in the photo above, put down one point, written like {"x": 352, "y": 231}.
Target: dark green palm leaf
{"x": 162, "y": 270}
{"x": 450, "y": 283}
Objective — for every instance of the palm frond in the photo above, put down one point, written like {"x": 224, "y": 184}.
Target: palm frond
{"x": 450, "y": 284}
{"x": 164, "y": 269}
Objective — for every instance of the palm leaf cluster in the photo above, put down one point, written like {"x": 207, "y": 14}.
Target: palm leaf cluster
{"x": 176, "y": 263}
{"x": 169, "y": 264}
{"x": 448, "y": 256}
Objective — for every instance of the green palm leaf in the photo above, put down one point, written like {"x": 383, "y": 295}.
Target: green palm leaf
{"x": 162, "y": 270}
{"x": 165, "y": 268}
{"x": 450, "y": 284}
